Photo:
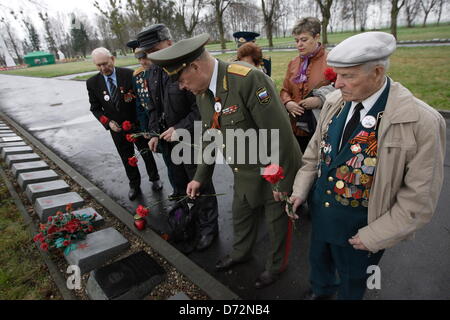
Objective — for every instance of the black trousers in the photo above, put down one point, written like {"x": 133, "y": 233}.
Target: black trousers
{"x": 126, "y": 150}
{"x": 303, "y": 142}
{"x": 205, "y": 209}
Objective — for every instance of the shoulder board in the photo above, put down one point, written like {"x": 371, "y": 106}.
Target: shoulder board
{"x": 239, "y": 69}
{"x": 138, "y": 70}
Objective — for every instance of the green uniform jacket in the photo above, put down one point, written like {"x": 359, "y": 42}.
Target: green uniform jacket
{"x": 249, "y": 101}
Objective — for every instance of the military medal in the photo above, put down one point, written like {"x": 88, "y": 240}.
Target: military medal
{"x": 365, "y": 203}
{"x": 328, "y": 160}
{"x": 345, "y": 202}
{"x": 340, "y": 184}
{"x": 356, "y": 148}
{"x": 354, "y": 203}
{"x": 339, "y": 191}
{"x": 368, "y": 122}
{"x": 368, "y": 170}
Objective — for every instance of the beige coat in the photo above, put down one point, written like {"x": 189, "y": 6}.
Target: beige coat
{"x": 409, "y": 173}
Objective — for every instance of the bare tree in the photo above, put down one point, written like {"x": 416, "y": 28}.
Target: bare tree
{"x": 427, "y": 6}
{"x": 411, "y": 9}
{"x": 219, "y": 8}
{"x": 49, "y": 37}
{"x": 325, "y": 6}
{"x": 439, "y": 10}
{"x": 395, "y": 9}
{"x": 12, "y": 39}
{"x": 243, "y": 16}
{"x": 268, "y": 8}
{"x": 363, "y": 6}
{"x": 187, "y": 13}
{"x": 113, "y": 13}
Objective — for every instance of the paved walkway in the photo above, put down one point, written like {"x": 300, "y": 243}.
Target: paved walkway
{"x": 57, "y": 113}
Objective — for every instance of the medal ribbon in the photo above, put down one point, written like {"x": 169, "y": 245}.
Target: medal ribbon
{"x": 369, "y": 139}
{"x": 215, "y": 119}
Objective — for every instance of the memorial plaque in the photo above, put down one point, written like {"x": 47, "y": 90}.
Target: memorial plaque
{"x": 133, "y": 277}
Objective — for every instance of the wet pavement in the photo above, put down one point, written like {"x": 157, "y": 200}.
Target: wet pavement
{"x": 57, "y": 113}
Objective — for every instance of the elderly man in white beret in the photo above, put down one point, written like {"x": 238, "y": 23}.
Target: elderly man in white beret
{"x": 373, "y": 170}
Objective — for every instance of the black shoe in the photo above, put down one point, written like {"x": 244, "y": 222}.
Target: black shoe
{"x": 134, "y": 192}
{"x": 265, "y": 279}
{"x": 312, "y": 296}
{"x": 157, "y": 185}
{"x": 205, "y": 241}
{"x": 227, "y": 263}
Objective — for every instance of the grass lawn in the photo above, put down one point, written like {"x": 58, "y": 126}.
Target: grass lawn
{"x": 430, "y": 32}
{"x": 425, "y": 71}
{"x": 403, "y": 33}
{"x": 23, "y": 273}
{"x": 62, "y": 69}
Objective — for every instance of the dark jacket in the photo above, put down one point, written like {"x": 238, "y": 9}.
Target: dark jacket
{"x": 169, "y": 106}
{"x": 97, "y": 90}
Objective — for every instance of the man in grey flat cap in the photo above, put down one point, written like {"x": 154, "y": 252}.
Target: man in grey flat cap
{"x": 373, "y": 170}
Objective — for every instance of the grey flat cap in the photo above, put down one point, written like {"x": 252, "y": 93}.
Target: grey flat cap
{"x": 361, "y": 48}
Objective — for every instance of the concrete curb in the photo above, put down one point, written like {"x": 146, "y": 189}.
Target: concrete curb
{"x": 213, "y": 288}
{"x": 54, "y": 272}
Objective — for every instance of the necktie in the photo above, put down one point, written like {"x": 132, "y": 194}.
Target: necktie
{"x": 114, "y": 93}
{"x": 352, "y": 124}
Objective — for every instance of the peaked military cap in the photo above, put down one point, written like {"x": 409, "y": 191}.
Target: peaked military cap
{"x": 361, "y": 48}
{"x": 178, "y": 56}
{"x": 152, "y": 35}
{"x": 133, "y": 44}
{"x": 245, "y": 36}
{"x": 138, "y": 52}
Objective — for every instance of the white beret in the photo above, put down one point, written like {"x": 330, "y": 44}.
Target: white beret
{"x": 361, "y": 48}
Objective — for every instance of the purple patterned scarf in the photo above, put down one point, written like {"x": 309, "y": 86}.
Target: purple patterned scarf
{"x": 301, "y": 74}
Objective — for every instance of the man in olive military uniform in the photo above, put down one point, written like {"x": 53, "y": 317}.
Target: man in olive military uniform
{"x": 373, "y": 170}
{"x": 237, "y": 96}
{"x": 172, "y": 108}
{"x": 113, "y": 102}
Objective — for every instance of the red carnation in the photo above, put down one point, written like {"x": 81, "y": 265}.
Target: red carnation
{"x": 73, "y": 226}
{"x": 133, "y": 161}
{"x": 104, "y": 120}
{"x": 69, "y": 207}
{"x": 126, "y": 125}
{"x": 39, "y": 237}
{"x": 52, "y": 229}
{"x": 273, "y": 173}
{"x": 330, "y": 75}
{"x": 66, "y": 243}
{"x": 49, "y": 219}
{"x": 142, "y": 211}
{"x": 130, "y": 138}
{"x": 44, "y": 246}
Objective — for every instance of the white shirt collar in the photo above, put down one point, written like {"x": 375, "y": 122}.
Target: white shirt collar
{"x": 213, "y": 83}
{"x": 370, "y": 101}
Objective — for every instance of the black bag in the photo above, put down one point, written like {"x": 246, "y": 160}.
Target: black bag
{"x": 181, "y": 223}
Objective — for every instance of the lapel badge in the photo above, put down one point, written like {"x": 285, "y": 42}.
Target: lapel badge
{"x": 369, "y": 122}
{"x": 106, "y": 97}
{"x": 217, "y": 107}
